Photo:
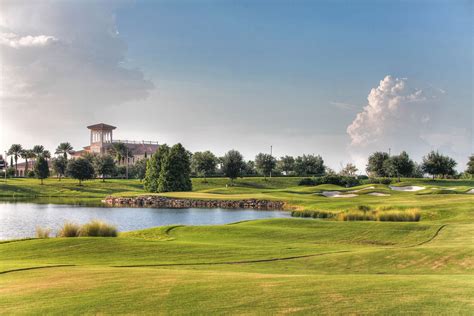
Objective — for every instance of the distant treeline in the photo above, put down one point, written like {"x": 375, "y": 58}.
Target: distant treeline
{"x": 170, "y": 168}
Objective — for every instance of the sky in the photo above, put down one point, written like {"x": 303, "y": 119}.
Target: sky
{"x": 337, "y": 78}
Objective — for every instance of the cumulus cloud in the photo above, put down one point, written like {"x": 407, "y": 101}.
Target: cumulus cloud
{"x": 389, "y": 107}
{"x": 401, "y": 117}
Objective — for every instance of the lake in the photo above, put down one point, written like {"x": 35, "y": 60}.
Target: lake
{"x": 19, "y": 220}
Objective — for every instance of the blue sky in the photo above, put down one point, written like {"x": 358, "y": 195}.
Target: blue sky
{"x": 249, "y": 74}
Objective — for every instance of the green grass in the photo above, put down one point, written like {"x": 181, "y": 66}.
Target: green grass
{"x": 277, "y": 266}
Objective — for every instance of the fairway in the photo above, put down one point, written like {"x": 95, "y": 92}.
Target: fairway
{"x": 273, "y": 266}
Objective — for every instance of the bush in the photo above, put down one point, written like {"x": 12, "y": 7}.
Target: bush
{"x": 307, "y": 181}
{"x": 97, "y": 228}
{"x": 331, "y": 179}
{"x": 31, "y": 174}
{"x": 364, "y": 208}
{"x": 385, "y": 181}
{"x": 312, "y": 214}
{"x": 69, "y": 230}
{"x": 42, "y": 232}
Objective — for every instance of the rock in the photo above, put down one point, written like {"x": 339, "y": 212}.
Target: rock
{"x": 165, "y": 202}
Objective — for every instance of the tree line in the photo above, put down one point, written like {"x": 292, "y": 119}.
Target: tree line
{"x": 170, "y": 168}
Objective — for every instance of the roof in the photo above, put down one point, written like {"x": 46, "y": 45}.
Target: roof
{"x": 101, "y": 126}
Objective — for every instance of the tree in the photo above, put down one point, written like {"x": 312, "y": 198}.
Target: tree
{"x": 265, "y": 164}
{"x": 46, "y": 154}
{"x": 41, "y": 168}
{"x": 470, "y": 166}
{"x": 37, "y": 150}
{"x": 204, "y": 163}
{"x": 309, "y": 165}
{"x": 64, "y": 149}
{"x": 286, "y": 164}
{"x": 122, "y": 153}
{"x": 59, "y": 166}
{"x": 27, "y": 154}
{"x": 104, "y": 165}
{"x": 399, "y": 166}
{"x": 248, "y": 168}
{"x": 438, "y": 165}
{"x": 349, "y": 170}
{"x": 153, "y": 168}
{"x": 138, "y": 170}
{"x": 232, "y": 164}
{"x": 417, "y": 171}
{"x": 15, "y": 151}
{"x": 375, "y": 165}
{"x": 175, "y": 173}
{"x": 80, "y": 169}
{"x": 119, "y": 151}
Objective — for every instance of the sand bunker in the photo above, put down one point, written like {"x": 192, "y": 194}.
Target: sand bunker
{"x": 378, "y": 194}
{"x": 337, "y": 194}
{"x": 355, "y": 191}
{"x": 471, "y": 191}
{"x": 410, "y": 188}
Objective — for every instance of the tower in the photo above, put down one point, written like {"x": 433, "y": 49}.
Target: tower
{"x": 101, "y": 137}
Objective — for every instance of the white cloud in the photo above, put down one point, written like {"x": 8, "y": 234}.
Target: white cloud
{"x": 400, "y": 117}
{"x": 64, "y": 58}
{"x": 390, "y": 106}
{"x": 15, "y": 41}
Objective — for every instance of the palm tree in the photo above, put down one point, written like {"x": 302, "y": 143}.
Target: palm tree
{"x": 27, "y": 154}
{"x": 15, "y": 151}
{"x": 119, "y": 151}
{"x": 37, "y": 150}
{"x": 46, "y": 154}
{"x": 122, "y": 153}
{"x": 64, "y": 149}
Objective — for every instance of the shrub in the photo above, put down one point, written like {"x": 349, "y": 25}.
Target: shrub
{"x": 307, "y": 181}
{"x": 364, "y": 208}
{"x": 385, "y": 181}
{"x": 312, "y": 214}
{"x": 410, "y": 215}
{"x": 97, "y": 228}
{"x": 69, "y": 230}
{"x": 331, "y": 179}
{"x": 42, "y": 232}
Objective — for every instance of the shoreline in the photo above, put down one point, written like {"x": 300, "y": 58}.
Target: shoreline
{"x": 167, "y": 202}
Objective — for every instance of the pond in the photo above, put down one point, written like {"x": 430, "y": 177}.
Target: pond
{"x": 19, "y": 220}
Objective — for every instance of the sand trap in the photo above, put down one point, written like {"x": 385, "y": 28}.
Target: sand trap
{"x": 355, "y": 191}
{"x": 471, "y": 191}
{"x": 337, "y": 194}
{"x": 378, "y": 194}
{"x": 410, "y": 188}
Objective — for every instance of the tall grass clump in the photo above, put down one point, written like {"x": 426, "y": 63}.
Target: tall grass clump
{"x": 69, "y": 230}
{"x": 42, "y": 232}
{"x": 410, "y": 215}
{"x": 356, "y": 215}
{"x": 97, "y": 228}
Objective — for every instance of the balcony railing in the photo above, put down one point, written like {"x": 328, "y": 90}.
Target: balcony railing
{"x": 145, "y": 142}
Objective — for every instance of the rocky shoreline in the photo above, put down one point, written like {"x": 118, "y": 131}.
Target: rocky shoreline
{"x": 166, "y": 202}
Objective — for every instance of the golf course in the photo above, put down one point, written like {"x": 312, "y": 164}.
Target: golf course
{"x": 266, "y": 266}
